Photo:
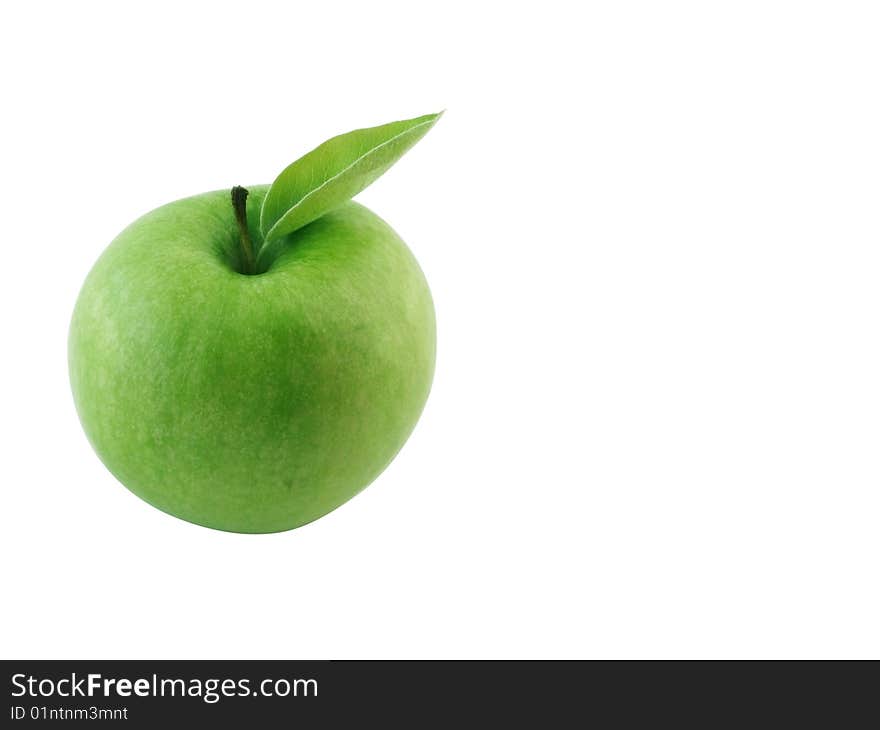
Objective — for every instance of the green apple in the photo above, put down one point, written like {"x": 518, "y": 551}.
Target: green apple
{"x": 249, "y": 362}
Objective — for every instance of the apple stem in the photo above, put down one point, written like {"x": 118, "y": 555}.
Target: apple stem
{"x": 239, "y": 200}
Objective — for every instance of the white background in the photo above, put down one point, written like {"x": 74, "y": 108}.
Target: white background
{"x": 651, "y": 231}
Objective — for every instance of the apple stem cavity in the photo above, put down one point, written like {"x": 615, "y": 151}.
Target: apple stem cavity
{"x": 239, "y": 205}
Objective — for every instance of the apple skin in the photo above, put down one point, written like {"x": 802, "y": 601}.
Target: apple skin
{"x": 251, "y": 403}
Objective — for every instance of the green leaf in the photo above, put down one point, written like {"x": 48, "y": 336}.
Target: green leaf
{"x": 334, "y": 172}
